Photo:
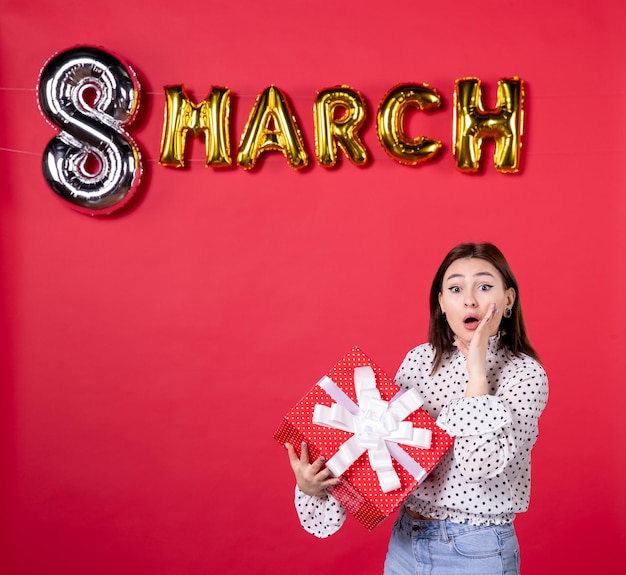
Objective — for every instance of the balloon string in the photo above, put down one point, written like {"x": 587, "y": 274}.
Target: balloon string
{"x": 378, "y": 158}
{"x": 14, "y": 151}
{"x": 161, "y": 93}
{"x": 373, "y": 157}
{"x": 143, "y": 158}
{"x": 535, "y": 96}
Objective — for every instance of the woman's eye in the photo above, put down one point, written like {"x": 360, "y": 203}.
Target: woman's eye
{"x": 455, "y": 289}
{"x": 485, "y": 287}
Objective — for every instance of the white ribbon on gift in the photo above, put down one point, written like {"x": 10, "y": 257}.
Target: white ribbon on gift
{"x": 378, "y": 427}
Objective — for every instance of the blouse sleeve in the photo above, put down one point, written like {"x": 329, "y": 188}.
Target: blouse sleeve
{"x": 320, "y": 516}
{"x": 491, "y": 430}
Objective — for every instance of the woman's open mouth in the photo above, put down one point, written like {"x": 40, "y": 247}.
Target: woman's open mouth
{"x": 471, "y": 322}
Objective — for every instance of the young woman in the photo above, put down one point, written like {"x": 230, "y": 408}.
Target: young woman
{"x": 482, "y": 381}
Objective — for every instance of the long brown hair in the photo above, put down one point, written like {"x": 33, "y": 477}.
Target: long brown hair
{"x": 512, "y": 330}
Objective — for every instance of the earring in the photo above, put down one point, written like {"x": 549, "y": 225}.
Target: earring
{"x": 508, "y": 312}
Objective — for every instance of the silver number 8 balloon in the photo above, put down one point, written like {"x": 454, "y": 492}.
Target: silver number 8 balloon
{"x": 90, "y": 95}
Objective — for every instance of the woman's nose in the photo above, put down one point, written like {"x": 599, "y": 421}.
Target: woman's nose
{"x": 470, "y": 302}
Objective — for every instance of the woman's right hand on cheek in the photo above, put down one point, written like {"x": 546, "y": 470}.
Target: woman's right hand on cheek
{"x": 476, "y": 354}
{"x": 312, "y": 478}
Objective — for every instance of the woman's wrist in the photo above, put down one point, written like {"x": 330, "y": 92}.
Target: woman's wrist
{"x": 312, "y": 493}
{"x": 476, "y": 386}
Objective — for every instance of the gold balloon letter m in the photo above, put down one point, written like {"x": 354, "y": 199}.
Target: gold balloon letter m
{"x": 472, "y": 124}
{"x": 210, "y": 117}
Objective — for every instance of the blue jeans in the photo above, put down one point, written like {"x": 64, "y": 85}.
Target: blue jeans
{"x": 440, "y": 547}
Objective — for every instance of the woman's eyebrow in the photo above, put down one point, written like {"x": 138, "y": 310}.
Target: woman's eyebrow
{"x": 454, "y": 276}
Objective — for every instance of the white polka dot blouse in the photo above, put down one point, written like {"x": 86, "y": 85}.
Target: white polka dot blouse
{"x": 485, "y": 478}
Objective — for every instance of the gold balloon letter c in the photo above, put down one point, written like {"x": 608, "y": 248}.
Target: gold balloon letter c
{"x": 390, "y": 123}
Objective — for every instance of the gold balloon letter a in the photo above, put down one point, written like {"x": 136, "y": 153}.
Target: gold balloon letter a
{"x": 210, "y": 117}
{"x": 271, "y": 126}
{"x": 472, "y": 124}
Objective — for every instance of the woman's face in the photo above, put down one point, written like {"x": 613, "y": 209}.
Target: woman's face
{"x": 470, "y": 286}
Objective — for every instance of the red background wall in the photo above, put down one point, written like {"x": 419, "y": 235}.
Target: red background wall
{"x": 147, "y": 357}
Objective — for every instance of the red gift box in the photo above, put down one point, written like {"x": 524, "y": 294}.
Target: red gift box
{"x": 368, "y": 494}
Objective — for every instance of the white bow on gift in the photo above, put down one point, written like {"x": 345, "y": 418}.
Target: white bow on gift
{"x": 377, "y": 425}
